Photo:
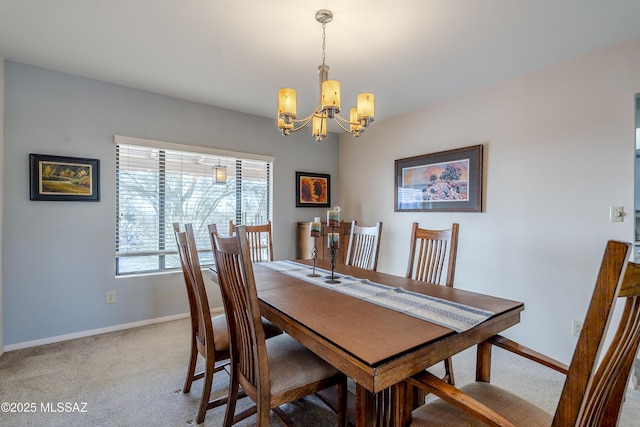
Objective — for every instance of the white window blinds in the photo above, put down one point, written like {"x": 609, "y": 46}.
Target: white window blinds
{"x": 158, "y": 184}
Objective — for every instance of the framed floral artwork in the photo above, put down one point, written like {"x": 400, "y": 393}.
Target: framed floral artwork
{"x": 313, "y": 190}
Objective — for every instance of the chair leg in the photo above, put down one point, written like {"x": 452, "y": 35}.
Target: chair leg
{"x": 193, "y": 358}
{"x": 448, "y": 368}
{"x": 343, "y": 395}
{"x": 232, "y": 397}
{"x": 209, "y": 370}
{"x": 263, "y": 413}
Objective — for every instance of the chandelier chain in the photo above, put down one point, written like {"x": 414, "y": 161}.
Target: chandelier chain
{"x": 323, "y": 42}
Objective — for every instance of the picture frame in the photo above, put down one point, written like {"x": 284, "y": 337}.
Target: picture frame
{"x": 446, "y": 181}
{"x": 64, "y": 178}
{"x": 313, "y": 190}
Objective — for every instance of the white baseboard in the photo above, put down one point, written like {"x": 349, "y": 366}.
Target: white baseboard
{"x": 98, "y": 331}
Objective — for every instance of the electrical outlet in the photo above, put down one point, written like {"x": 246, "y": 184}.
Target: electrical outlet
{"x": 111, "y": 297}
{"x": 576, "y": 328}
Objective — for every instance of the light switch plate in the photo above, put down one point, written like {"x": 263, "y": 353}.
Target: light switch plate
{"x": 616, "y": 213}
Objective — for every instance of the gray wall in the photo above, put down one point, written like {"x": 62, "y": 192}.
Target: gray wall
{"x": 1, "y": 155}
{"x": 59, "y": 256}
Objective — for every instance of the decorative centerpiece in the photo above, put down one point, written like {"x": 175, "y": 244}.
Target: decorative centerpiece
{"x": 333, "y": 240}
{"x": 314, "y": 231}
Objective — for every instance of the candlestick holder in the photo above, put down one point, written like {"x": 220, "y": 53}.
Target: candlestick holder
{"x": 314, "y": 256}
{"x": 332, "y": 247}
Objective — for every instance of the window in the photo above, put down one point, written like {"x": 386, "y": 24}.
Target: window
{"x": 159, "y": 183}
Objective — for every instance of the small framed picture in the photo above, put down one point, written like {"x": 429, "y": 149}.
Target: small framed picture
{"x": 313, "y": 190}
{"x": 447, "y": 181}
{"x": 64, "y": 178}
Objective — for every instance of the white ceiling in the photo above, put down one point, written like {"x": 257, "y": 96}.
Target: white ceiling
{"x": 236, "y": 54}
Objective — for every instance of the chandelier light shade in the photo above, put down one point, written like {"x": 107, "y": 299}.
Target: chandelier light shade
{"x": 360, "y": 117}
{"x": 319, "y": 126}
{"x": 354, "y": 125}
{"x": 220, "y": 174}
{"x": 365, "y": 108}
{"x": 331, "y": 97}
{"x": 287, "y": 103}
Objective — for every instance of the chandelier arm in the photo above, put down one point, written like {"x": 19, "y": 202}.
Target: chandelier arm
{"x": 304, "y": 122}
{"x": 342, "y": 127}
{"x": 315, "y": 112}
{"x": 343, "y": 120}
{"x": 306, "y": 119}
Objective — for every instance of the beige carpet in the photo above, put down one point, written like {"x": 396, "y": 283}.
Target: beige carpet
{"x": 135, "y": 377}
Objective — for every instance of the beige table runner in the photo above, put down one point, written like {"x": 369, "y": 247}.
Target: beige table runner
{"x": 452, "y": 315}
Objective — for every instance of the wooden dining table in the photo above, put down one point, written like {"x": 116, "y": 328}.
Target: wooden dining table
{"x": 376, "y": 346}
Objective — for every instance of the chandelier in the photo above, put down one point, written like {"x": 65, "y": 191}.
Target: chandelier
{"x": 328, "y": 106}
{"x": 220, "y": 173}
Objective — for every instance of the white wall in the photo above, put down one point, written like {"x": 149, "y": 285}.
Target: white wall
{"x": 559, "y": 150}
{"x": 59, "y": 256}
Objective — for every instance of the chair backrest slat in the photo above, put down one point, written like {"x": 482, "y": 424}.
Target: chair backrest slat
{"x": 240, "y": 297}
{"x": 364, "y": 246}
{"x": 204, "y": 311}
{"x": 260, "y": 239}
{"x": 604, "y": 405}
{"x": 198, "y": 300}
{"x": 606, "y": 393}
{"x": 431, "y": 252}
{"x": 188, "y": 280}
{"x": 593, "y": 391}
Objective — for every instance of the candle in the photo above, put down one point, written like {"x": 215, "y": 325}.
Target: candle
{"x": 314, "y": 227}
{"x": 333, "y": 218}
{"x": 333, "y": 240}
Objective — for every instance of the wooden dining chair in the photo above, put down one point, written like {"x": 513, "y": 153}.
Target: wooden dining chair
{"x": 271, "y": 372}
{"x": 260, "y": 241}
{"x": 270, "y": 329}
{"x": 209, "y": 334}
{"x": 364, "y": 245}
{"x": 594, "y": 387}
{"x": 431, "y": 253}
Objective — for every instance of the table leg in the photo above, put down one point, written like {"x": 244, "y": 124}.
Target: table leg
{"x": 387, "y": 408}
{"x": 365, "y": 407}
{"x": 483, "y": 362}
{"x": 403, "y": 402}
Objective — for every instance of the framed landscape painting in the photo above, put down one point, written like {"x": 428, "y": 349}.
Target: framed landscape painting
{"x": 64, "y": 178}
{"x": 313, "y": 190}
{"x": 447, "y": 181}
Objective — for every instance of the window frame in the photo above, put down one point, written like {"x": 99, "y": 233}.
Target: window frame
{"x": 163, "y": 252}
